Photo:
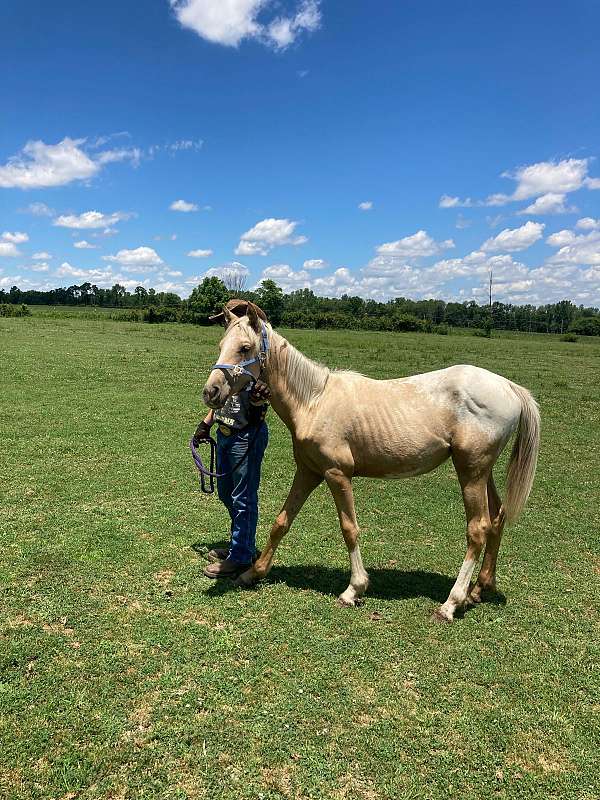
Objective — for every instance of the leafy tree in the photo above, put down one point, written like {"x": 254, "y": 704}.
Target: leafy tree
{"x": 207, "y": 298}
{"x": 271, "y": 300}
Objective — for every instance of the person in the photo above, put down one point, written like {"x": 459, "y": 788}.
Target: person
{"x": 241, "y": 429}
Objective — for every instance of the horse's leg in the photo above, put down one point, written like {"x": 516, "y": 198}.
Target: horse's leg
{"x": 305, "y": 481}
{"x": 474, "y": 491}
{"x": 486, "y": 580}
{"x": 341, "y": 489}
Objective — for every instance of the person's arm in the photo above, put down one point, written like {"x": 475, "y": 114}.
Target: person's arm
{"x": 203, "y": 430}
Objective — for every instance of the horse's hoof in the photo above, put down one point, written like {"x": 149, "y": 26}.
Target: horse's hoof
{"x": 344, "y": 602}
{"x": 246, "y": 580}
{"x": 440, "y": 617}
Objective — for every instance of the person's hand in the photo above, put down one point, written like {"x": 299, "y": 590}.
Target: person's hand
{"x": 260, "y": 394}
{"x": 202, "y": 433}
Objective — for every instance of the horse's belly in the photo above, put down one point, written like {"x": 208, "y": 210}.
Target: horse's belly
{"x": 405, "y": 460}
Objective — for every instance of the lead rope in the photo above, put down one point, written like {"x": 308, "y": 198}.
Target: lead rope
{"x": 210, "y": 473}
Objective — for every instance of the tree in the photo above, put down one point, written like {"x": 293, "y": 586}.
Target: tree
{"x": 141, "y": 294}
{"x": 271, "y": 300}
{"x": 207, "y": 298}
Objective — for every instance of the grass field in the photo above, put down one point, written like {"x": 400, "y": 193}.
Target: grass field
{"x": 125, "y": 674}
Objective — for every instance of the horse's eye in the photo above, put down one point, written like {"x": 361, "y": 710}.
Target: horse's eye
{"x": 245, "y": 349}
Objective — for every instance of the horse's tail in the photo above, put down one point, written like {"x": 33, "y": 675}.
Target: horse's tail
{"x": 523, "y": 460}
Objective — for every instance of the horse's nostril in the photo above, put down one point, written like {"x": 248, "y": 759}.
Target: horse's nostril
{"x": 210, "y": 392}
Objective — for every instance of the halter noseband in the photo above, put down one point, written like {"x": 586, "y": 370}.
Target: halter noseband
{"x": 235, "y": 370}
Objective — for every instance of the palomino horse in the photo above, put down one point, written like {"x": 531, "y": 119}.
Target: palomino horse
{"x": 344, "y": 424}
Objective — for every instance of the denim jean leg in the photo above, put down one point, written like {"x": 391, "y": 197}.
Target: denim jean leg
{"x": 225, "y": 484}
{"x": 246, "y": 480}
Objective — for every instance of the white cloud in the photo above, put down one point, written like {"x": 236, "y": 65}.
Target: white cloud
{"x": 39, "y": 165}
{"x": 561, "y": 238}
{"x": 514, "y": 239}
{"x": 39, "y": 210}
{"x": 83, "y": 245}
{"x": 418, "y": 245}
{"x": 588, "y": 224}
{"x": 315, "y": 263}
{"x": 183, "y": 205}
{"x": 546, "y": 177}
{"x": 185, "y": 144}
{"x": 227, "y": 271}
{"x": 141, "y": 258}
{"x": 41, "y": 256}
{"x": 229, "y": 22}
{"x": 15, "y": 238}
{"x": 583, "y": 250}
{"x": 446, "y": 201}
{"x": 551, "y": 203}
{"x": 8, "y": 250}
{"x": 200, "y": 253}
{"x": 90, "y": 220}
{"x": 286, "y": 277}
{"x": 366, "y": 205}
{"x": 41, "y": 267}
{"x": 266, "y": 235}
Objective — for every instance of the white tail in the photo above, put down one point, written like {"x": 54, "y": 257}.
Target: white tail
{"x": 523, "y": 460}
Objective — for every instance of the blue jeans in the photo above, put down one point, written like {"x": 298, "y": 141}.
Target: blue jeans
{"x": 239, "y": 491}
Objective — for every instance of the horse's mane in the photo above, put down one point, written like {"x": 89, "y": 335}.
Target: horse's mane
{"x": 305, "y": 378}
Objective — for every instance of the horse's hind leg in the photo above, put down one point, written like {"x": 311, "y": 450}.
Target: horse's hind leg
{"x": 341, "y": 489}
{"x": 486, "y": 580}
{"x": 474, "y": 491}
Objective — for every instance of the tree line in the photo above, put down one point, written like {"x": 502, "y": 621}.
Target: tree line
{"x": 303, "y": 309}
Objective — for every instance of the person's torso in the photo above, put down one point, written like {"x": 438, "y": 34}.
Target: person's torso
{"x": 236, "y": 413}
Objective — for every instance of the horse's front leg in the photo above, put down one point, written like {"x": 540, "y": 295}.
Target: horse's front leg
{"x": 341, "y": 489}
{"x": 305, "y": 481}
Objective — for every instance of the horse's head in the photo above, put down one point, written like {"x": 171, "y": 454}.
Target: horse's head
{"x": 239, "y": 358}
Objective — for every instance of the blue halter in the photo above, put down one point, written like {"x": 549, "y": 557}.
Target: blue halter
{"x": 235, "y": 370}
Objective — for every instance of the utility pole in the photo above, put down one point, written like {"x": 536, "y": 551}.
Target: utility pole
{"x": 491, "y": 285}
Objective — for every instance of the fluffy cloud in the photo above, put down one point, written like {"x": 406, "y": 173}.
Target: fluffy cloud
{"x": 229, "y": 22}
{"x": 315, "y": 263}
{"x": 588, "y": 224}
{"x": 549, "y": 181}
{"x": 266, "y": 235}
{"x": 514, "y": 239}
{"x": 419, "y": 245}
{"x": 558, "y": 177}
{"x": 41, "y": 267}
{"x": 83, "y": 245}
{"x": 142, "y": 258}
{"x": 286, "y": 277}
{"x": 39, "y": 210}
{"x": 183, "y": 205}
{"x": 200, "y": 253}
{"x": 233, "y": 274}
{"x": 576, "y": 250}
{"x": 39, "y": 165}
{"x": 551, "y": 203}
{"x": 366, "y": 205}
{"x": 8, "y": 250}
{"x": 14, "y": 238}
{"x": 41, "y": 256}
{"x": 90, "y": 220}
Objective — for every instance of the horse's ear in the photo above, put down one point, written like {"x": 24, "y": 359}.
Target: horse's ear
{"x": 253, "y": 317}
{"x": 227, "y": 316}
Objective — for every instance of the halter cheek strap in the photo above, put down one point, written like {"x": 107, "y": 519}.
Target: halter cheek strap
{"x": 235, "y": 370}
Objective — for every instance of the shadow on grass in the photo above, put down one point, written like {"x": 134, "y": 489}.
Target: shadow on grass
{"x": 385, "y": 584}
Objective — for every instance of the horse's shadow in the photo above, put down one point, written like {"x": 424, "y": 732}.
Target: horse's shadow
{"x": 385, "y": 583}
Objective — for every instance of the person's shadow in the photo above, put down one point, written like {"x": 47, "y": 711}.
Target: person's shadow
{"x": 385, "y": 583}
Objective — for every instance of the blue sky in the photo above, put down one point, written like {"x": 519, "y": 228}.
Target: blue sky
{"x": 374, "y": 149}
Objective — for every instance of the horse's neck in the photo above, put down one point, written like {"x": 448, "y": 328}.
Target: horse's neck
{"x": 290, "y": 397}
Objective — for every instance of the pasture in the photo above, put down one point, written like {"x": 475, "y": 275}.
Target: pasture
{"x": 125, "y": 674}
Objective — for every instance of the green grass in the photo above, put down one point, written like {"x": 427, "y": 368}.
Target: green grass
{"x": 125, "y": 674}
